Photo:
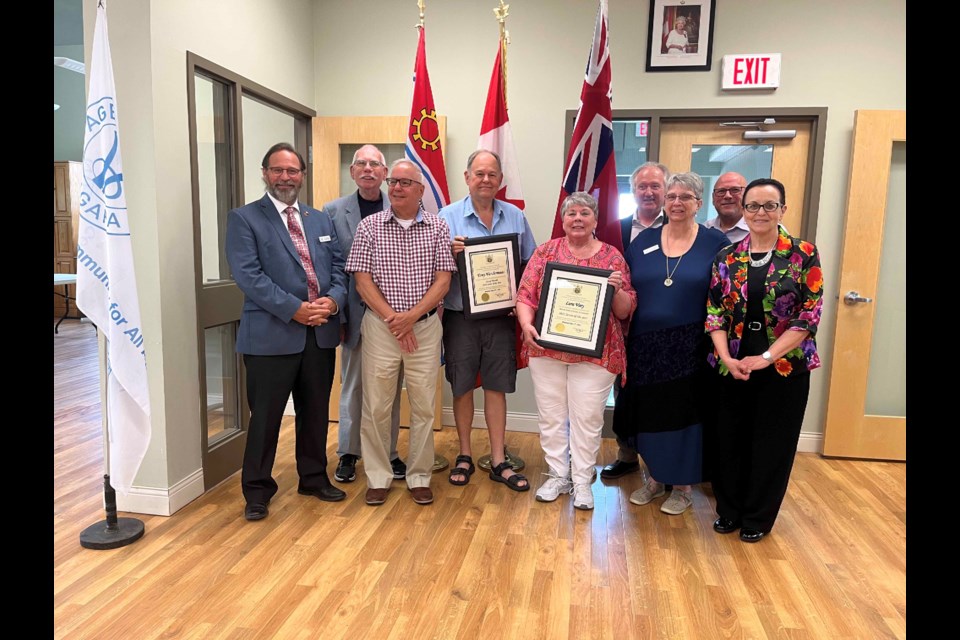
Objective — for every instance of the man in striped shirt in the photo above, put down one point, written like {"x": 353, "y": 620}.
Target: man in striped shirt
{"x": 402, "y": 263}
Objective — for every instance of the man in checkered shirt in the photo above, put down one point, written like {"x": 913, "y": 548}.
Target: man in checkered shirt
{"x": 401, "y": 262}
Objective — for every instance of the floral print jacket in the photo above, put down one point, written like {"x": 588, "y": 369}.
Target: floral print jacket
{"x": 792, "y": 299}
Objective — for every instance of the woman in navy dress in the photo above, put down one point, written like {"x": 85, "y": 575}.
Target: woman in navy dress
{"x": 657, "y": 408}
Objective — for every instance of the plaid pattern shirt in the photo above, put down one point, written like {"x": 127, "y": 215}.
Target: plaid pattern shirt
{"x": 402, "y": 262}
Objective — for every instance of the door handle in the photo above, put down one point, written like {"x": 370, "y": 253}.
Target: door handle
{"x": 854, "y": 297}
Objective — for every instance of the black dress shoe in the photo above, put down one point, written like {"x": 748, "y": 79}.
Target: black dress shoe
{"x": 722, "y": 525}
{"x": 751, "y": 535}
{"x": 328, "y": 494}
{"x": 618, "y": 469}
{"x": 255, "y": 511}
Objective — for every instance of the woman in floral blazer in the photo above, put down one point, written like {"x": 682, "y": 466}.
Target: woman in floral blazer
{"x": 763, "y": 309}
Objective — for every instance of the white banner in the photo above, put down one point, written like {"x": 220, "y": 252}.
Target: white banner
{"x": 106, "y": 287}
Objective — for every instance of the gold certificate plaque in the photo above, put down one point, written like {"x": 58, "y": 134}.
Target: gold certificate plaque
{"x": 489, "y": 273}
{"x": 491, "y": 277}
{"x": 574, "y": 309}
{"x": 573, "y": 313}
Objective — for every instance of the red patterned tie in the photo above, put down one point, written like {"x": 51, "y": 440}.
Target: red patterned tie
{"x": 296, "y": 234}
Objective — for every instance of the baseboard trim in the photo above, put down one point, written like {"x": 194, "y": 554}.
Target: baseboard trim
{"x": 162, "y": 502}
{"x": 810, "y": 441}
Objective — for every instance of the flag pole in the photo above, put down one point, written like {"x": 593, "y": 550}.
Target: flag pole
{"x": 439, "y": 462}
{"x": 112, "y": 532}
{"x": 501, "y": 12}
{"x": 107, "y": 260}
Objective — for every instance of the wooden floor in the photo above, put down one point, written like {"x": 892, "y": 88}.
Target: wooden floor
{"x": 482, "y": 561}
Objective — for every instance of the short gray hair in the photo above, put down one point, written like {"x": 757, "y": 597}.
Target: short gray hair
{"x": 583, "y": 199}
{"x": 383, "y": 159}
{"x": 393, "y": 165}
{"x": 473, "y": 156}
{"x": 688, "y": 180}
{"x": 657, "y": 165}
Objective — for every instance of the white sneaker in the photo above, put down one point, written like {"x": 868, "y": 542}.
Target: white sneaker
{"x": 553, "y": 488}
{"x": 647, "y": 493}
{"x": 678, "y": 502}
{"x": 582, "y": 496}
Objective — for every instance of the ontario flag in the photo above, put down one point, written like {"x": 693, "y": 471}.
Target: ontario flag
{"x": 590, "y": 163}
{"x": 423, "y": 136}
{"x": 495, "y": 135}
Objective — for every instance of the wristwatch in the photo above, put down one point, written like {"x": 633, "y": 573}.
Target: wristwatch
{"x": 766, "y": 356}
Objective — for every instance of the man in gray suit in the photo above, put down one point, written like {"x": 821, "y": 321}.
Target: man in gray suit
{"x": 368, "y": 169}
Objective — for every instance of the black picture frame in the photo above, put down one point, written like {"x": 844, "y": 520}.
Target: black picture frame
{"x": 552, "y": 307}
{"x": 695, "y": 40}
{"x": 488, "y": 246}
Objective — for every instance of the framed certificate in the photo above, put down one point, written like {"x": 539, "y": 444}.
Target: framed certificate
{"x": 574, "y": 309}
{"x": 489, "y": 272}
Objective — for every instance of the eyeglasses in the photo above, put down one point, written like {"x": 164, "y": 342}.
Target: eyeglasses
{"x": 276, "y": 172}
{"x": 769, "y": 207}
{"x": 403, "y": 182}
{"x": 685, "y": 198}
{"x": 373, "y": 164}
{"x": 734, "y": 191}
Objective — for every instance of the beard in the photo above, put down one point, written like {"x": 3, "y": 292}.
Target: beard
{"x": 286, "y": 194}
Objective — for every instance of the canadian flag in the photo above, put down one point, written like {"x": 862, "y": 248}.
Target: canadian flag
{"x": 495, "y": 136}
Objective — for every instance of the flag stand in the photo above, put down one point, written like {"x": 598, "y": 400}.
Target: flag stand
{"x": 113, "y": 532}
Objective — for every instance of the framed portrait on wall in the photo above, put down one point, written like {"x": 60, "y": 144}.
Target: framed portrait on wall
{"x": 680, "y": 35}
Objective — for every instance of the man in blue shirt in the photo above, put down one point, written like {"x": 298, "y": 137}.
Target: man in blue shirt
{"x": 485, "y": 347}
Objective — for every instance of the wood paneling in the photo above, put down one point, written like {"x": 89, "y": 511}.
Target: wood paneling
{"x": 67, "y": 177}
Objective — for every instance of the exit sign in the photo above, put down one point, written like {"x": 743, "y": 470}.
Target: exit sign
{"x": 751, "y": 71}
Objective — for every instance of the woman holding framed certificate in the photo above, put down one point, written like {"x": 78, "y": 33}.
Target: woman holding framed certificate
{"x": 577, "y": 276}
{"x": 657, "y": 410}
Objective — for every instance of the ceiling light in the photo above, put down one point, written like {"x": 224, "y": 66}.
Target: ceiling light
{"x": 55, "y": 106}
{"x": 69, "y": 63}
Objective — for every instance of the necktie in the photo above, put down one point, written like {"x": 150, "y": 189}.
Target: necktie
{"x": 296, "y": 234}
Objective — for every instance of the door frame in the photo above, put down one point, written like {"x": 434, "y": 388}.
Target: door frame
{"x": 219, "y": 302}
{"x": 818, "y": 136}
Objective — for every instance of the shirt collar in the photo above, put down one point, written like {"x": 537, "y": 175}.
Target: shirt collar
{"x": 468, "y": 209}
{"x": 281, "y": 207}
{"x": 419, "y": 217}
{"x": 639, "y": 225}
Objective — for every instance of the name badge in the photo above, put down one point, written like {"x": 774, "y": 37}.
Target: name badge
{"x": 651, "y": 249}
{"x": 324, "y": 238}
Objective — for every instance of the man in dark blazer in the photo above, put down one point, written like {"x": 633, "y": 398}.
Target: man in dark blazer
{"x": 285, "y": 257}
{"x": 648, "y": 183}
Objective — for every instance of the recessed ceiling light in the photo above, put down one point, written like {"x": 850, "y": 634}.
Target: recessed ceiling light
{"x": 69, "y": 63}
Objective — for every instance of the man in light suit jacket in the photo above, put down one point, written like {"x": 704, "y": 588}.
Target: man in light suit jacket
{"x": 285, "y": 257}
{"x": 368, "y": 169}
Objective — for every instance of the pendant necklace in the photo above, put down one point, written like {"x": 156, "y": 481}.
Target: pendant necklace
{"x": 668, "y": 281}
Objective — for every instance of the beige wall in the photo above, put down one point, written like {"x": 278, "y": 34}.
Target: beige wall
{"x": 270, "y": 43}
{"x": 328, "y": 55}
{"x": 836, "y": 55}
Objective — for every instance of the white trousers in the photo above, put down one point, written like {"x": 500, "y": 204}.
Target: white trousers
{"x": 570, "y": 401}
{"x": 382, "y": 361}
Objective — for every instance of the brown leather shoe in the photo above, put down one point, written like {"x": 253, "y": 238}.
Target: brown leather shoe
{"x": 422, "y": 495}
{"x": 376, "y": 496}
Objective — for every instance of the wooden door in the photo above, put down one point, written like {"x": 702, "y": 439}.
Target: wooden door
{"x": 790, "y": 162}
{"x": 851, "y": 431}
